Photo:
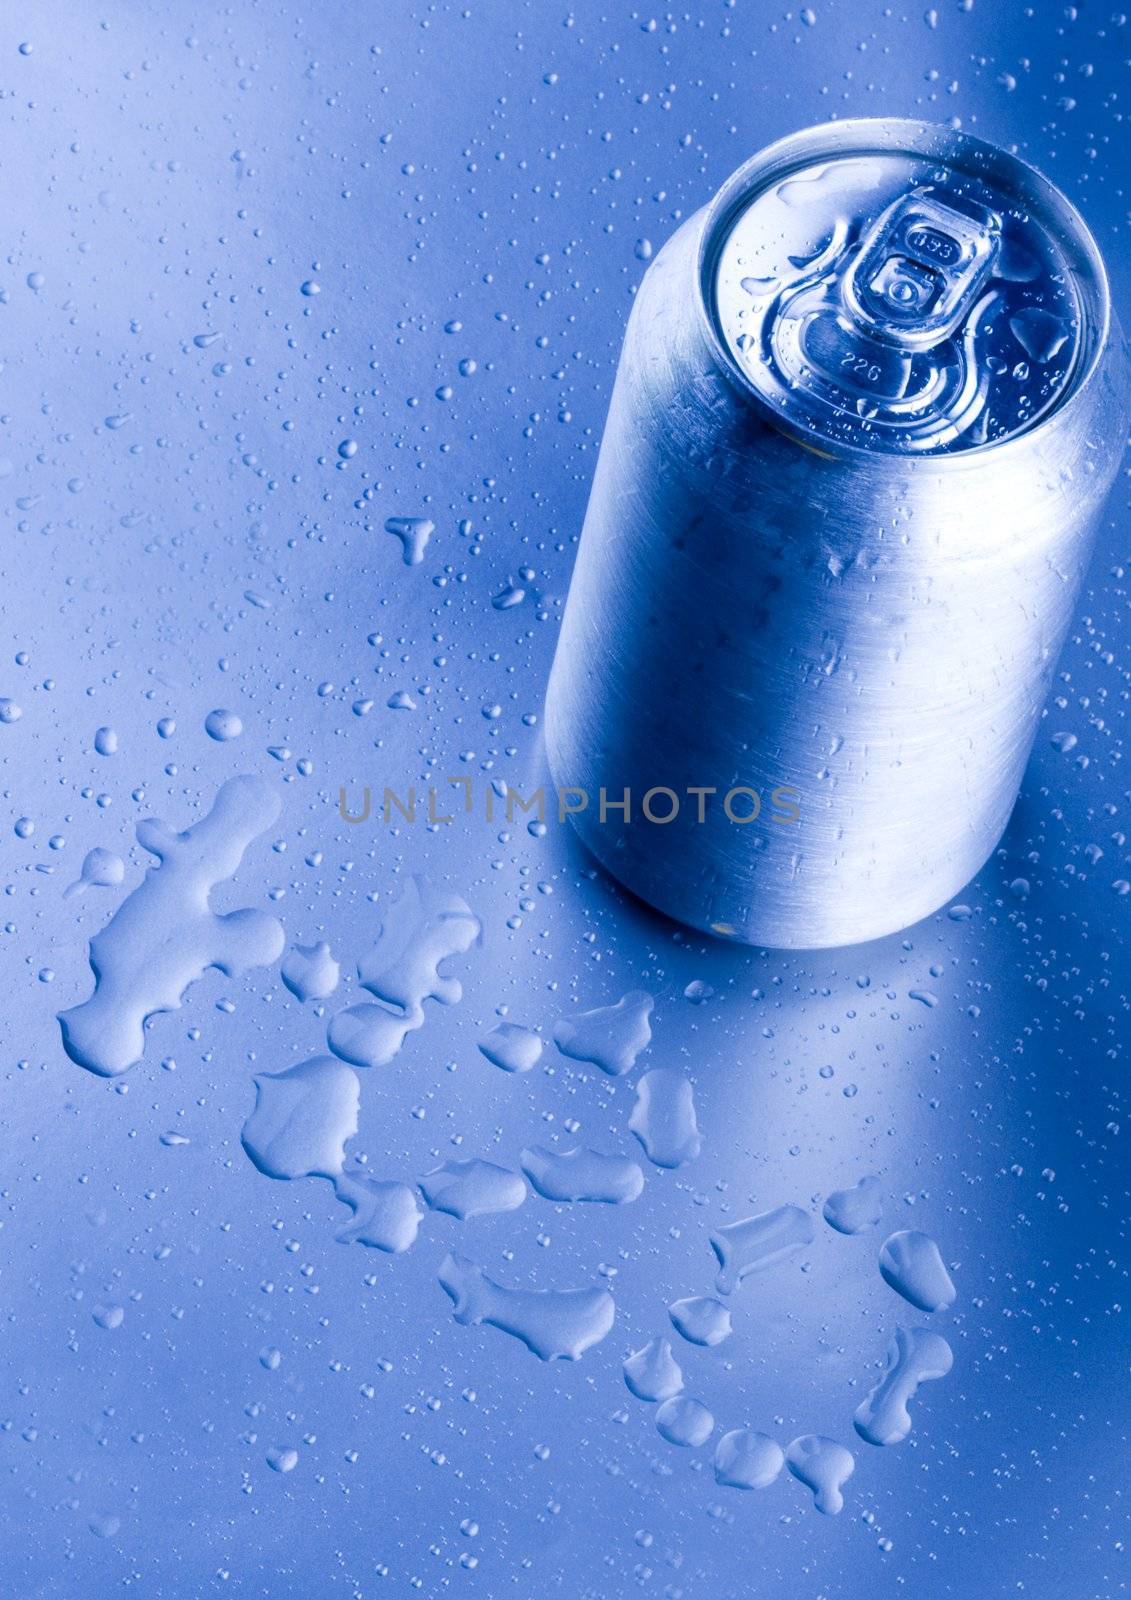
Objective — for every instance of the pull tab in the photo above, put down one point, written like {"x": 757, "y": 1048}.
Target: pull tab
{"x": 919, "y": 270}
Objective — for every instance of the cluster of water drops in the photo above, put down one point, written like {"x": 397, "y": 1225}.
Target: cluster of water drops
{"x": 745, "y": 1458}
{"x": 164, "y": 935}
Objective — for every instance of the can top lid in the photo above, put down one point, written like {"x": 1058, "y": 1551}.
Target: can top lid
{"x": 902, "y": 300}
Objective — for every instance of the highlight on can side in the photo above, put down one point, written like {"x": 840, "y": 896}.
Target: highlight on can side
{"x": 868, "y": 408}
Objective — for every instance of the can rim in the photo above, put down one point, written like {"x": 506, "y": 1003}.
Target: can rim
{"x": 902, "y": 135}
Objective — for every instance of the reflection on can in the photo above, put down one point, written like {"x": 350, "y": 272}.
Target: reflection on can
{"x": 868, "y": 408}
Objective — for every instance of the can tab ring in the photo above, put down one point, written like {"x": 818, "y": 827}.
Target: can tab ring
{"x": 919, "y": 271}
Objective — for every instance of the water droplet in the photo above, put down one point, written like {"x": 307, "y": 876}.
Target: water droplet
{"x": 101, "y": 869}
{"x": 473, "y": 1188}
{"x": 853, "y": 1210}
{"x": 386, "y": 1214}
{"x": 758, "y": 1242}
{"x": 222, "y": 725}
{"x": 302, "y": 1119}
{"x": 914, "y": 1356}
{"x": 419, "y": 933}
{"x": 555, "y": 1324}
{"x": 414, "y": 534}
{"x": 163, "y": 936}
{"x": 510, "y": 595}
{"x": 582, "y": 1175}
{"x": 310, "y": 972}
{"x": 701, "y": 1320}
{"x": 685, "y": 1422}
{"x": 910, "y": 1264}
{"x": 663, "y": 1118}
{"x": 1039, "y": 333}
{"x": 652, "y": 1373}
{"x": 824, "y": 1467}
{"x": 512, "y": 1047}
{"x": 747, "y": 1460}
{"x": 611, "y": 1037}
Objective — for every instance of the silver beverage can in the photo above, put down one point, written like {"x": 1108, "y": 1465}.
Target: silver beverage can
{"x": 868, "y": 408}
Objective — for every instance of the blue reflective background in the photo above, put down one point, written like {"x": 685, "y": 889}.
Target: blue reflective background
{"x": 469, "y": 195}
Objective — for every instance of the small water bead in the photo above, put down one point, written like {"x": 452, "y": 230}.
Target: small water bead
{"x": 508, "y": 597}
{"x": 222, "y": 725}
{"x": 414, "y": 534}
{"x": 101, "y": 869}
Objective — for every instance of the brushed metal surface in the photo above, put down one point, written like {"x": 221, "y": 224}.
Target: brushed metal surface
{"x": 875, "y": 632}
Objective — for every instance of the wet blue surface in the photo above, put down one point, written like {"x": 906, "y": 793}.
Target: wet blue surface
{"x": 271, "y": 278}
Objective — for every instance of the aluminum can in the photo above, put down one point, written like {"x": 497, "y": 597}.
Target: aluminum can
{"x": 868, "y": 408}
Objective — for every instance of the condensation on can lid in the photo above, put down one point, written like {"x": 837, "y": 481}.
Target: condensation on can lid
{"x": 896, "y": 301}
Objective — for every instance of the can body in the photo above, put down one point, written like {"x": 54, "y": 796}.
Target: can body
{"x": 834, "y": 658}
